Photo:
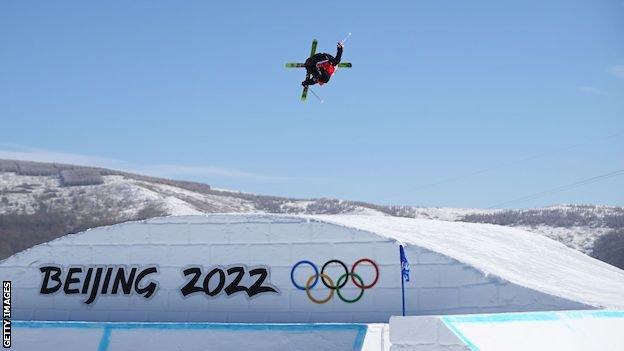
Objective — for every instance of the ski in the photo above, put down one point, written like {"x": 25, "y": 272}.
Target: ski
{"x": 302, "y": 65}
{"x": 304, "y": 94}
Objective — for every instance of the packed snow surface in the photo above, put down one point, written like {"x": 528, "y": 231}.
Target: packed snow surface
{"x": 569, "y": 330}
{"x": 513, "y": 254}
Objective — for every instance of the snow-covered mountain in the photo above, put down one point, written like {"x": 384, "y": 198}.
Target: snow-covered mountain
{"x": 41, "y": 201}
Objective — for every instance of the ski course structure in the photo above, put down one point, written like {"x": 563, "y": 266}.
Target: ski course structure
{"x": 261, "y": 268}
{"x": 158, "y": 336}
{"x": 551, "y": 330}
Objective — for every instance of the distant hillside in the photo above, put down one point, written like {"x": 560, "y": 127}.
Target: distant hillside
{"x": 577, "y": 226}
{"x": 42, "y": 201}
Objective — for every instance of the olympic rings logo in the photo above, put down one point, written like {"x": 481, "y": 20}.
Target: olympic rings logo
{"x": 329, "y": 283}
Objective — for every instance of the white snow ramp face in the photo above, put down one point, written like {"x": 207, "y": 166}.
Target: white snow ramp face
{"x": 280, "y": 269}
{"x": 569, "y": 330}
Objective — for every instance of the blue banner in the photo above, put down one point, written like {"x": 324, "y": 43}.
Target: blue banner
{"x": 405, "y": 268}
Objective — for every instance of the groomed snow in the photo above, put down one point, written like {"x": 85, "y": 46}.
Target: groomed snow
{"x": 515, "y": 255}
{"x": 568, "y": 330}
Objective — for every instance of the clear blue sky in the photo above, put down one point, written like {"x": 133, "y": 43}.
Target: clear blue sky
{"x": 439, "y": 90}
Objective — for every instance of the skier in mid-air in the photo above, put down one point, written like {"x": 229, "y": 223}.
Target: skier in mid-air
{"x": 320, "y": 67}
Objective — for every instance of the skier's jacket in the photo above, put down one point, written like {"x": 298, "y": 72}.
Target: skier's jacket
{"x": 321, "y": 67}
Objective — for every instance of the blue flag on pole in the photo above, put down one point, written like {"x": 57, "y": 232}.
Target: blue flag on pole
{"x": 404, "y": 265}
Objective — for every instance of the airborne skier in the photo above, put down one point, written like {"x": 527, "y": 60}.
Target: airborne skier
{"x": 320, "y": 67}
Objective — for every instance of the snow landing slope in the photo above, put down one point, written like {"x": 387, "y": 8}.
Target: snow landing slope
{"x": 513, "y": 254}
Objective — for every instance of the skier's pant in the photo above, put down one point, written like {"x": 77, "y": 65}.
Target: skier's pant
{"x": 311, "y": 69}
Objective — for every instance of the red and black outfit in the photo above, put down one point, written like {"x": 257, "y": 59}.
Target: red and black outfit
{"x": 321, "y": 67}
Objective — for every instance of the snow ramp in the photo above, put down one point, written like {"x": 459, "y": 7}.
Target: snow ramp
{"x": 564, "y": 330}
{"x": 264, "y": 268}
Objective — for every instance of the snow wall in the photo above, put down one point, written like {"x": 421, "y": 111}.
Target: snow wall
{"x": 248, "y": 268}
{"x": 569, "y": 330}
{"x": 110, "y": 336}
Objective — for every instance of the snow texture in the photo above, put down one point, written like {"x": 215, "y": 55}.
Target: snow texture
{"x": 518, "y": 256}
{"x": 456, "y": 268}
{"x": 568, "y": 330}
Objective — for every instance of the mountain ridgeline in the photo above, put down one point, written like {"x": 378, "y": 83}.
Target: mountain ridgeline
{"x": 42, "y": 201}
